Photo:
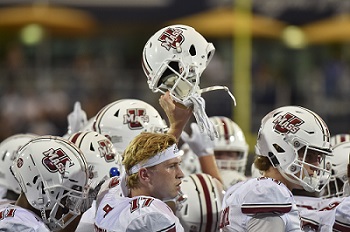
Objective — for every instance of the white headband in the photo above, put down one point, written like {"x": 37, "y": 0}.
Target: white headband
{"x": 169, "y": 153}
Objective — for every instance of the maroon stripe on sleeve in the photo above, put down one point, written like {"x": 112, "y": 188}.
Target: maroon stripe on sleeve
{"x": 261, "y": 208}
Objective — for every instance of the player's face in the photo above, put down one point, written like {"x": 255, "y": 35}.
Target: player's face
{"x": 312, "y": 157}
{"x": 166, "y": 179}
{"x": 228, "y": 155}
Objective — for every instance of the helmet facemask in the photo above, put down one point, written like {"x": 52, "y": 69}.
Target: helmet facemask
{"x": 66, "y": 208}
{"x": 178, "y": 85}
{"x": 307, "y": 159}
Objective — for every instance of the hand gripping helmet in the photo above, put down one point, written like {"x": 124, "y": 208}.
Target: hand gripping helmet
{"x": 230, "y": 143}
{"x": 122, "y": 120}
{"x": 294, "y": 139}
{"x": 8, "y": 151}
{"x": 338, "y": 162}
{"x": 199, "y": 204}
{"x": 174, "y": 58}
{"x": 100, "y": 155}
{"x": 53, "y": 174}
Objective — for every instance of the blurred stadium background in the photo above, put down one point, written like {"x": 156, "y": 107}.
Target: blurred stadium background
{"x": 270, "y": 53}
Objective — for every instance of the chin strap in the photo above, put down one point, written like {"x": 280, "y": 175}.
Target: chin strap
{"x": 201, "y": 117}
{"x": 199, "y": 113}
{"x": 219, "y": 87}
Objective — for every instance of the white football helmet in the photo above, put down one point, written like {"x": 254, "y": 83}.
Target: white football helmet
{"x": 230, "y": 148}
{"x": 8, "y": 151}
{"x": 174, "y": 58}
{"x": 122, "y": 120}
{"x": 339, "y": 138}
{"x": 100, "y": 154}
{"x": 53, "y": 175}
{"x": 338, "y": 165}
{"x": 283, "y": 135}
{"x": 199, "y": 205}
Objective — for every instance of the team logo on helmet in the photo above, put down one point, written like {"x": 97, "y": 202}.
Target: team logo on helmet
{"x": 170, "y": 37}
{"x": 136, "y": 118}
{"x": 56, "y": 160}
{"x": 287, "y": 123}
{"x": 105, "y": 149}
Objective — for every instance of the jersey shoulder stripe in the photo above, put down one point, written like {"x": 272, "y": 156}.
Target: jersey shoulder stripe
{"x": 266, "y": 208}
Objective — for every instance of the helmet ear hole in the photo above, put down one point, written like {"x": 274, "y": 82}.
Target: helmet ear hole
{"x": 209, "y": 55}
{"x": 192, "y": 50}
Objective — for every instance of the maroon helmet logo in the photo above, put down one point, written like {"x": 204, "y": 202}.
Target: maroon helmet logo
{"x": 288, "y": 123}
{"x": 170, "y": 37}
{"x": 56, "y": 160}
{"x": 106, "y": 151}
{"x": 136, "y": 118}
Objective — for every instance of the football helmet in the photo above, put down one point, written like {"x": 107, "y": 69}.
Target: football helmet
{"x": 122, "y": 120}
{"x": 339, "y": 138}
{"x": 53, "y": 175}
{"x": 8, "y": 151}
{"x": 294, "y": 139}
{"x": 199, "y": 204}
{"x": 338, "y": 165}
{"x": 100, "y": 154}
{"x": 174, "y": 59}
{"x": 230, "y": 148}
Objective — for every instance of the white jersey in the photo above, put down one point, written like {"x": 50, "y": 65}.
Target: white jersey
{"x": 246, "y": 201}
{"x": 116, "y": 213}
{"x": 17, "y": 219}
{"x": 326, "y": 215}
{"x": 320, "y": 215}
{"x": 307, "y": 202}
{"x": 342, "y": 216}
{"x": 3, "y": 192}
{"x": 86, "y": 223}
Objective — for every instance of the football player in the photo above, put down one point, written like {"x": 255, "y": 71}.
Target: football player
{"x": 291, "y": 147}
{"x": 53, "y": 175}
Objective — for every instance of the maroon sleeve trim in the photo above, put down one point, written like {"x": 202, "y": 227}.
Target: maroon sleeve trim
{"x": 266, "y": 208}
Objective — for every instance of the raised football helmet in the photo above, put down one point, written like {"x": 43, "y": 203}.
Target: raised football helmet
{"x": 100, "y": 154}
{"x": 296, "y": 140}
{"x": 8, "y": 151}
{"x": 199, "y": 205}
{"x": 173, "y": 60}
{"x": 53, "y": 175}
{"x": 122, "y": 120}
{"x": 230, "y": 148}
{"x": 339, "y": 162}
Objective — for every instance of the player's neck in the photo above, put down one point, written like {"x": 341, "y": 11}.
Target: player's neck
{"x": 275, "y": 174}
{"x": 139, "y": 192}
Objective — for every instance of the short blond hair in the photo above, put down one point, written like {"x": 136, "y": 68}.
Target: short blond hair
{"x": 262, "y": 163}
{"x": 143, "y": 147}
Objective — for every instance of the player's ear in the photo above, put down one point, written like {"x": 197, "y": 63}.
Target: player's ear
{"x": 143, "y": 174}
